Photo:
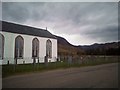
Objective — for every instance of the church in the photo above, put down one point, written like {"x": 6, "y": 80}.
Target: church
{"x": 20, "y": 44}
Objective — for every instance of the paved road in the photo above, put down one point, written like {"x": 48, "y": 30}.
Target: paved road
{"x": 100, "y": 76}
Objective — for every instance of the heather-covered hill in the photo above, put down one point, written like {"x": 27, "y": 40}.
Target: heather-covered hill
{"x": 65, "y": 48}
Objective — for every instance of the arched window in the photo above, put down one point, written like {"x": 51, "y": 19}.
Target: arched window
{"x": 1, "y": 46}
{"x": 19, "y": 47}
{"x": 49, "y": 48}
{"x": 35, "y": 47}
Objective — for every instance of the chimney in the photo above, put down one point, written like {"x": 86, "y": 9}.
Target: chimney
{"x": 46, "y": 28}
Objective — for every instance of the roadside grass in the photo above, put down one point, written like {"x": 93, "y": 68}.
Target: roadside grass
{"x": 8, "y": 70}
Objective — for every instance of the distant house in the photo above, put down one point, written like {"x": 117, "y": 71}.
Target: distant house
{"x": 26, "y": 44}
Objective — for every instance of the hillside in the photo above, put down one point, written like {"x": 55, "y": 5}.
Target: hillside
{"x": 65, "y": 48}
{"x": 102, "y": 49}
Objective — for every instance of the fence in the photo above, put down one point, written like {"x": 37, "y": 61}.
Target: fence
{"x": 58, "y": 63}
{"x": 88, "y": 58}
{"x": 26, "y": 60}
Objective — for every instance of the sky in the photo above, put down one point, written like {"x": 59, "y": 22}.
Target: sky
{"x": 81, "y": 23}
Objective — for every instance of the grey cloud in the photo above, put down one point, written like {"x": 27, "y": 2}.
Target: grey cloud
{"x": 15, "y": 12}
{"x": 77, "y": 12}
{"x": 104, "y": 34}
{"x": 90, "y": 19}
{"x": 21, "y": 11}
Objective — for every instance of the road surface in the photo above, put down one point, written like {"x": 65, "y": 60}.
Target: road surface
{"x": 100, "y": 76}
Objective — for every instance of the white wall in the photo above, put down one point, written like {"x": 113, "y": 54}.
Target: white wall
{"x": 9, "y": 46}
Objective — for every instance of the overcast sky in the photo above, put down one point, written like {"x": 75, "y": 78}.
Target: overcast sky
{"x": 81, "y": 23}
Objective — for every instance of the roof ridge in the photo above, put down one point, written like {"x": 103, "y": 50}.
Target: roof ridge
{"x": 23, "y": 29}
{"x": 22, "y": 25}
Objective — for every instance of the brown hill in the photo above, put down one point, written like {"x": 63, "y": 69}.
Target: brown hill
{"x": 65, "y": 48}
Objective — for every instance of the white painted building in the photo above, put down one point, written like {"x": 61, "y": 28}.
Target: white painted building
{"x": 25, "y": 44}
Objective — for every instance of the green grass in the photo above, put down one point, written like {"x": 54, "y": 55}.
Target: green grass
{"x": 8, "y": 70}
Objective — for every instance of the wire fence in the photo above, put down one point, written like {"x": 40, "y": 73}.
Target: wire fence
{"x": 88, "y": 58}
{"x": 53, "y": 63}
{"x": 25, "y": 60}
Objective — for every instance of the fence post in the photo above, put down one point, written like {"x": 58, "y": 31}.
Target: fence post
{"x": 69, "y": 60}
{"x": 38, "y": 60}
{"x": 15, "y": 63}
{"x": 34, "y": 60}
{"x": 46, "y": 60}
{"x": 8, "y": 62}
{"x": 23, "y": 62}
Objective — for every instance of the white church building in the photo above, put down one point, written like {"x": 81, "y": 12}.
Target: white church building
{"x": 21, "y": 44}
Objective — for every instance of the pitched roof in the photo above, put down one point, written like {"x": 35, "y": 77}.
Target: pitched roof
{"x": 22, "y": 29}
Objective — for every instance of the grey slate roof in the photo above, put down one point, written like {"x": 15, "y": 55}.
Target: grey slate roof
{"x": 22, "y": 29}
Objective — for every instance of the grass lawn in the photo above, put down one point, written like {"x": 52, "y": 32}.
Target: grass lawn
{"x": 8, "y": 70}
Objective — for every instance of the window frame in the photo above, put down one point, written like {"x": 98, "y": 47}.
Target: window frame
{"x": 35, "y": 43}
{"x": 49, "y": 48}
{"x": 2, "y": 46}
{"x": 21, "y": 47}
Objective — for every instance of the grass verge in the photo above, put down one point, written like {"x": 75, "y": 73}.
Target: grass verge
{"x": 8, "y": 70}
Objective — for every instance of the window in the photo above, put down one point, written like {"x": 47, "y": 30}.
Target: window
{"x": 49, "y": 48}
{"x": 1, "y": 46}
{"x": 19, "y": 46}
{"x": 35, "y": 47}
